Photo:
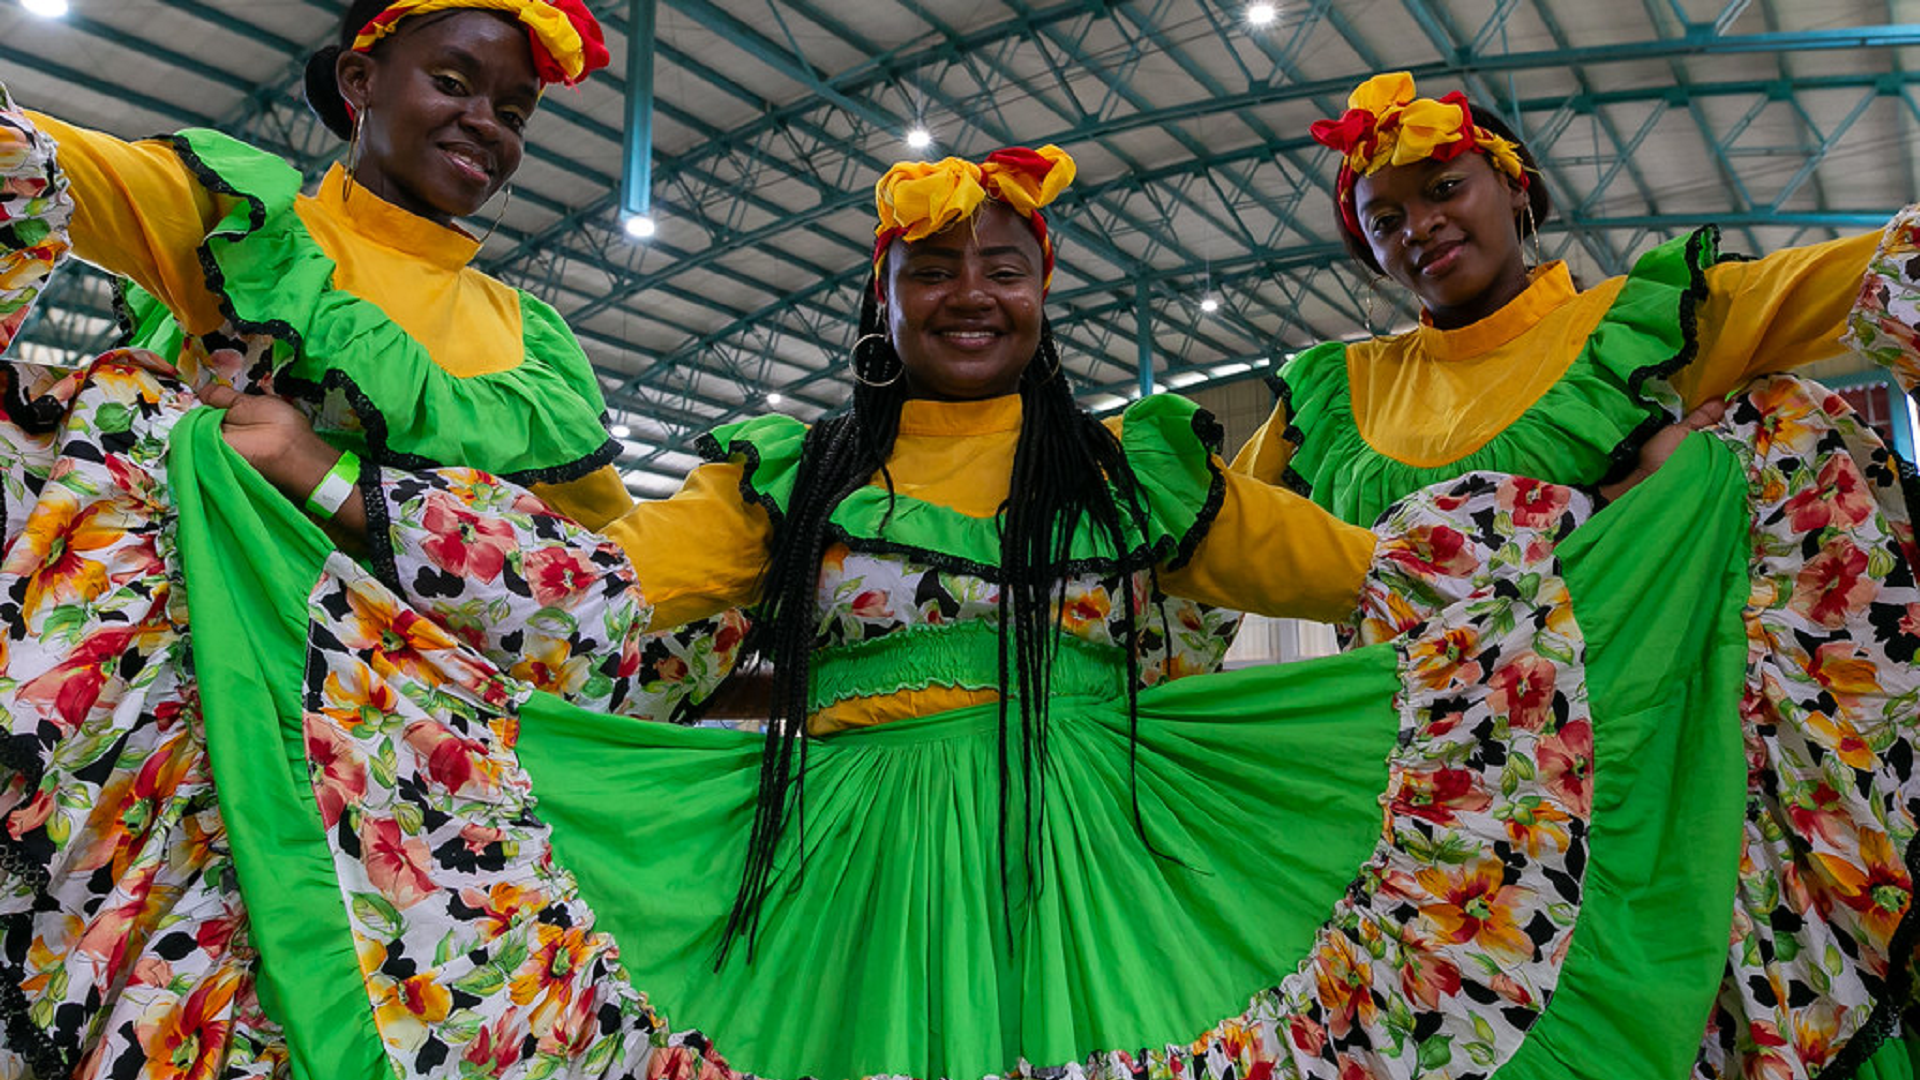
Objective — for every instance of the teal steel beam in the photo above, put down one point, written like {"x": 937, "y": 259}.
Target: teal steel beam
{"x": 636, "y": 181}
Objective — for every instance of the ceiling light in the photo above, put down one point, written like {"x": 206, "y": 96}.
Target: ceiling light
{"x": 1262, "y": 14}
{"x": 621, "y": 431}
{"x": 1210, "y": 305}
{"x": 775, "y": 398}
{"x": 639, "y": 226}
{"x": 49, "y": 9}
{"x": 919, "y": 138}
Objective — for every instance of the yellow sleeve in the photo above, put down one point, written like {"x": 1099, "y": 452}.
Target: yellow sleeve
{"x": 1774, "y": 314}
{"x": 1272, "y": 552}
{"x": 139, "y": 212}
{"x": 697, "y": 553}
{"x": 1265, "y": 456}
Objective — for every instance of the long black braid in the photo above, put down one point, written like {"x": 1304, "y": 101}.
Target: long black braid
{"x": 1067, "y": 468}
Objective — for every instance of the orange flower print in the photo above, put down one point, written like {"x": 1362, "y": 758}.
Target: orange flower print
{"x": 186, "y": 1039}
{"x": 1833, "y": 584}
{"x": 61, "y": 550}
{"x": 404, "y": 1007}
{"x": 550, "y": 664}
{"x": 1522, "y": 691}
{"x": 547, "y": 979}
{"x": 500, "y": 907}
{"x": 1438, "y": 662}
{"x": 1536, "y": 825}
{"x": 1838, "y": 734}
{"x": 1873, "y": 883}
{"x": 396, "y": 863}
{"x": 357, "y": 695}
{"x": 1471, "y": 904}
{"x": 1432, "y": 551}
{"x": 463, "y": 543}
{"x": 1436, "y": 794}
{"x": 1396, "y": 617}
{"x": 1846, "y": 670}
{"x": 1838, "y": 499}
{"x": 1343, "y": 974}
{"x": 1532, "y": 503}
{"x": 558, "y": 576}
{"x": 1084, "y": 611}
{"x": 1565, "y": 761}
{"x": 1784, "y": 411}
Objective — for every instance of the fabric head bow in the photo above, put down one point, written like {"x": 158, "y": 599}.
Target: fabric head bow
{"x": 916, "y": 199}
{"x": 566, "y": 38}
{"x": 1385, "y": 124}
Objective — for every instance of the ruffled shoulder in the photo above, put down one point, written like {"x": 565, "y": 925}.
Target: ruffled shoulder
{"x": 768, "y": 448}
{"x": 1586, "y": 429}
{"x": 541, "y": 421}
{"x": 1174, "y": 447}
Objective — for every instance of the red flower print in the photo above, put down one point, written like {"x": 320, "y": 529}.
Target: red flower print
{"x": 1833, "y": 584}
{"x": 1307, "y": 1035}
{"x": 459, "y": 765}
{"x": 1872, "y": 881}
{"x": 1565, "y": 760}
{"x": 1432, "y": 551}
{"x": 1438, "y": 662}
{"x": 396, "y": 863}
{"x": 463, "y": 543}
{"x": 558, "y": 576}
{"x": 187, "y": 1040}
{"x": 1818, "y": 813}
{"x": 1425, "y": 975}
{"x": 1437, "y": 794}
{"x": 337, "y": 768}
{"x": 1838, "y": 499}
{"x": 1522, "y": 691}
{"x": 1341, "y": 972}
{"x": 871, "y": 605}
{"x": 1532, "y": 503}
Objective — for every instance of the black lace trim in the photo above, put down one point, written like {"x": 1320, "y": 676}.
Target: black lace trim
{"x": 306, "y": 390}
{"x": 373, "y": 497}
{"x": 23, "y": 1036}
{"x": 122, "y": 314}
{"x": 1290, "y": 477}
{"x": 378, "y": 448}
{"x": 709, "y": 448}
{"x": 1885, "y": 1021}
{"x": 1626, "y": 455}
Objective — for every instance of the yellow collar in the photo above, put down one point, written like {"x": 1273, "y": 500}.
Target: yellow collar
{"x": 1552, "y": 286}
{"x": 388, "y": 225}
{"x": 919, "y": 416}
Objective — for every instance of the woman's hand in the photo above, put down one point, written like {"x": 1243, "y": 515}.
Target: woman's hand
{"x": 277, "y": 440}
{"x": 1655, "y": 452}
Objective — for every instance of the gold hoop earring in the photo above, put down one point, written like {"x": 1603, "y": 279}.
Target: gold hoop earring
{"x": 508, "y": 201}
{"x": 353, "y": 153}
{"x": 862, "y": 379}
{"x": 1533, "y": 230}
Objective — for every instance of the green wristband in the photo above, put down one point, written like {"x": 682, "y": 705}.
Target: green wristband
{"x": 335, "y": 488}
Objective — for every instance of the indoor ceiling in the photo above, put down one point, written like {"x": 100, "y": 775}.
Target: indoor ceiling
{"x": 1785, "y": 121}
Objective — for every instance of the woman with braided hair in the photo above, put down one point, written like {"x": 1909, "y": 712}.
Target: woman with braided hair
{"x": 125, "y": 944}
{"x": 1512, "y": 368}
{"x": 969, "y": 836}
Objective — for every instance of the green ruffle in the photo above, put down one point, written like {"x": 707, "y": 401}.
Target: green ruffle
{"x": 1586, "y": 429}
{"x": 538, "y": 422}
{"x": 1172, "y": 443}
{"x": 944, "y": 655}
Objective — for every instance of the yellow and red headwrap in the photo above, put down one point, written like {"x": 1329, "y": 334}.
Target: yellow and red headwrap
{"x": 1386, "y": 125}
{"x": 916, "y": 199}
{"x": 567, "y": 42}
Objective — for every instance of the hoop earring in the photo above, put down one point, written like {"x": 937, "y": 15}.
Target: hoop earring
{"x": 1533, "y": 230}
{"x": 497, "y": 216}
{"x": 1373, "y": 293}
{"x": 899, "y": 369}
{"x": 353, "y": 153}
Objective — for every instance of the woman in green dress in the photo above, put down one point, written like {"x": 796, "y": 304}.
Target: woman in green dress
{"x": 1513, "y": 368}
